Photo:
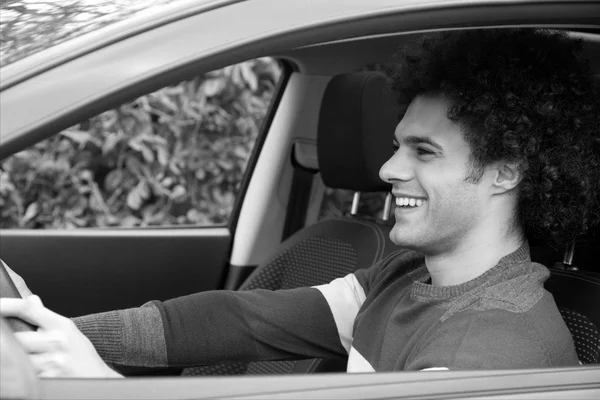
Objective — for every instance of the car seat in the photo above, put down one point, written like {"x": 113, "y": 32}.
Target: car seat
{"x": 356, "y": 123}
{"x": 576, "y": 290}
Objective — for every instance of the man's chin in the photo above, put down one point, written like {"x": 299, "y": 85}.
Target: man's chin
{"x": 402, "y": 239}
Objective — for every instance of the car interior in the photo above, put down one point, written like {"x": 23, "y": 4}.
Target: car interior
{"x": 356, "y": 115}
{"x": 331, "y": 127}
{"x": 354, "y": 118}
{"x": 353, "y": 125}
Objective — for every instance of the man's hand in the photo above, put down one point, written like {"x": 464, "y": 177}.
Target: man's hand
{"x": 57, "y": 348}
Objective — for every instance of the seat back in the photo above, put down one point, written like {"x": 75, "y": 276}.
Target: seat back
{"x": 356, "y": 124}
{"x": 575, "y": 284}
{"x": 577, "y": 295}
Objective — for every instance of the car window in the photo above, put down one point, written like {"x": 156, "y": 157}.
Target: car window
{"x": 173, "y": 157}
{"x": 29, "y": 26}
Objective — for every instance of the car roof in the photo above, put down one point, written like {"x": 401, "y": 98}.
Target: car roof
{"x": 95, "y": 71}
{"x": 349, "y": 55}
{"x": 90, "y": 34}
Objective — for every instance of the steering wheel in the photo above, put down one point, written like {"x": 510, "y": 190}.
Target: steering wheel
{"x": 17, "y": 376}
{"x": 8, "y": 289}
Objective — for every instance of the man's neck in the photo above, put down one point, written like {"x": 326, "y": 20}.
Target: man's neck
{"x": 467, "y": 262}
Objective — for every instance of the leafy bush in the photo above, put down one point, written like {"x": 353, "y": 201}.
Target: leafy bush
{"x": 171, "y": 157}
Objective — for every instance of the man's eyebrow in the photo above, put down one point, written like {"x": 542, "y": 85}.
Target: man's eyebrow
{"x": 411, "y": 139}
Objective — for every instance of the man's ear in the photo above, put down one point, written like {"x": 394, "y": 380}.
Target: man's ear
{"x": 508, "y": 175}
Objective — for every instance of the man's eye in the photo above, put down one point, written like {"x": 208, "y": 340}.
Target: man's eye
{"x": 395, "y": 146}
{"x": 424, "y": 152}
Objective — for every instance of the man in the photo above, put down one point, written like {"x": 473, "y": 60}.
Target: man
{"x": 500, "y": 139}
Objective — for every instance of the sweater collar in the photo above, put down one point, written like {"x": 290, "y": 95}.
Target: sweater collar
{"x": 422, "y": 290}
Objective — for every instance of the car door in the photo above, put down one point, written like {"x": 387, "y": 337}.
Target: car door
{"x": 263, "y": 28}
{"x": 138, "y": 202}
{"x": 87, "y": 270}
{"x": 137, "y": 199}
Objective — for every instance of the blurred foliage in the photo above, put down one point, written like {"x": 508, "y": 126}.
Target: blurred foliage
{"x": 28, "y": 26}
{"x": 175, "y": 156}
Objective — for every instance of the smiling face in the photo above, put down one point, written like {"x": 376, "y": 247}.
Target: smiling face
{"x": 436, "y": 209}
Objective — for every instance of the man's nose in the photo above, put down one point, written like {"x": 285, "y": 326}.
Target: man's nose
{"x": 397, "y": 168}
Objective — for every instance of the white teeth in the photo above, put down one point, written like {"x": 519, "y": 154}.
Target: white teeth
{"x": 409, "y": 201}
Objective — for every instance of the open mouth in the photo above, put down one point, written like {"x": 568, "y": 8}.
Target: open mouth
{"x": 409, "y": 202}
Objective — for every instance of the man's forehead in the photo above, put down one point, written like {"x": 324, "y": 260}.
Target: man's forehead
{"x": 427, "y": 116}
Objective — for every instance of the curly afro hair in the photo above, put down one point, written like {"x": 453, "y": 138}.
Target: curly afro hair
{"x": 520, "y": 95}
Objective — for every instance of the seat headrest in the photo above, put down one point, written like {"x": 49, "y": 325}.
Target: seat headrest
{"x": 356, "y": 128}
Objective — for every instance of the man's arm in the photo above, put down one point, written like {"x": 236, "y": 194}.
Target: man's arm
{"x": 220, "y": 326}
{"x": 217, "y": 326}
